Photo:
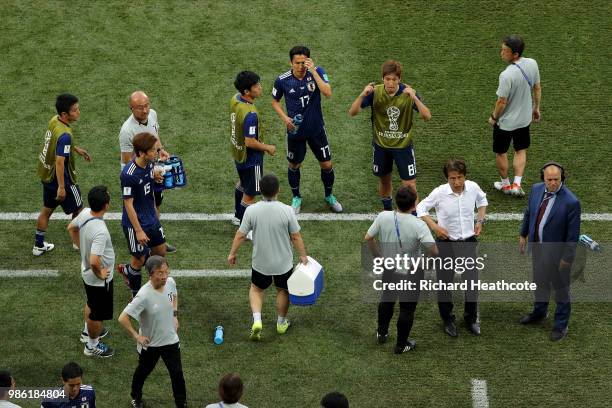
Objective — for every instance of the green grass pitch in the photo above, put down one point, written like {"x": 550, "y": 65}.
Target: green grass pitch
{"x": 185, "y": 55}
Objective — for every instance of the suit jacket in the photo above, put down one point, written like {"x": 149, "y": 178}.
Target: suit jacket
{"x": 562, "y": 224}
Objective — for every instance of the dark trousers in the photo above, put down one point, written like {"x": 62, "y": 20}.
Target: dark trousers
{"x": 407, "y": 304}
{"x": 171, "y": 355}
{"x": 547, "y": 274}
{"x": 454, "y": 250}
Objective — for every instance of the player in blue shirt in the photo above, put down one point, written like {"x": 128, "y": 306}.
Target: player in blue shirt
{"x": 247, "y": 141}
{"x": 302, "y": 87}
{"x": 76, "y": 394}
{"x": 140, "y": 222}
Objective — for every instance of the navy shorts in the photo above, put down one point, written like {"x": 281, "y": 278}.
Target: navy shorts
{"x": 249, "y": 179}
{"x": 71, "y": 204}
{"x": 383, "y": 158}
{"x": 296, "y": 147}
{"x": 264, "y": 281}
{"x": 100, "y": 301}
{"x": 156, "y": 238}
{"x": 520, "y": 139}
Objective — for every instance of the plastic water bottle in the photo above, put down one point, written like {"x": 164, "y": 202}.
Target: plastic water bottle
{"x": 297, "y": 121}
{"x": 589, "y": 242}
{"x": 219, "y": 335}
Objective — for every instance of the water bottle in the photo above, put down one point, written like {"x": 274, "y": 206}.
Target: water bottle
{"x": 297, "y": 121}
{"x": 589, "y": 242}
{"x": 219, "y": 335}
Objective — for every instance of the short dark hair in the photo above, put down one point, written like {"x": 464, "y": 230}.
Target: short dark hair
{"x": 515, "y": 43}
{"x": 71, "y": 370}
{"x": 391, "y": 67}
{"x": 5, "y": 379}
{"x": 245, "y": 80}
{"x": 299, "y": 50}
{"x": 334, "y": 399}
{"x": 143, "y": 142}
{"x": 454, "y": 165}
{"x": 231, "y": 388}
{"x": 98, "y": 197}
{"x": 269, "y": 185}
{"x": 155, "y": 262}
{"x": 64, "y": 102}
{"x": 405, "y": 197}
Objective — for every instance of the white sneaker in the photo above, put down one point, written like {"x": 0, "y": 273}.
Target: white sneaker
{"x": 75, "y": 247}
{"x": 504, "y": 188}
{"x": 101, "y": 350}
{"x": 235, "y": 221}
{"x": 38, "y": 251}
{"x": 516, "y": 190}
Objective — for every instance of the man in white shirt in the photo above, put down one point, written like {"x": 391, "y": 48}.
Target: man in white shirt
{"x": 514, "y": 111}
{"x": 97, "y": 264}
{"x": 275, "y": 229}
{"x": 142, "y": 120}
{"x": 155, "y": 307}
{"x": 456, "y": 232}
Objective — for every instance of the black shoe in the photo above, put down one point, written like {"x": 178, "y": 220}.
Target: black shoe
{"x": 170, "y": 249}
{"x": 558, "y": 334}
{"x": 532, "y": 319}
{"x": 382, "y": 338}
{"x": 474, "y": 328}
{"x": 410, "y": 345}
{"x": 137, "y": 404}
{"x": 451, "y": 329}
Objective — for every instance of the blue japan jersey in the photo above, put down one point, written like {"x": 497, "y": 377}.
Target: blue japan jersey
{"x": 137, "y": 183}
{"x": 303, "y": 97}
{"x": 85, "y": 399}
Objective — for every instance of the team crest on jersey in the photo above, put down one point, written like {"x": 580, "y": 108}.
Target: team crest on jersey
{"x": 311, "y": 86}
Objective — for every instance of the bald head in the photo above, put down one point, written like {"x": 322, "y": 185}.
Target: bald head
{"x": 139, "y": 104}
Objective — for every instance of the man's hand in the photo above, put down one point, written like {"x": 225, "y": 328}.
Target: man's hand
{"x": 409, "y": 91}
{"x": 271, "y": 150}
{"x": 141, "y": 237}
{"x": 104, "y": 272}
{"x": 522, "y": 245}
{"x": 157, "y": 174}
{"x": 368, "y": 89}
{"x": 231, "y": 259}
{"x": 61, "y": 194}
{"x": 304, "y": 259}
{"x": 477, "y": 228}
{"x": 83, "y": 153}
{"x": 492, "y": 121}
{"x": 163, "y": 155}
{"x": 536, "y": 115}
{"x": 142, "y": 340}
{"x": 310, "y": 65}
{"x": 441, "y": 232}
{"x": 289, "y": 123}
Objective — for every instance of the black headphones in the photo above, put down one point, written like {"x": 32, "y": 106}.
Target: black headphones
{"x": 553, "y": 163}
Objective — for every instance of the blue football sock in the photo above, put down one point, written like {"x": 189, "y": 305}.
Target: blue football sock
{"x": 242, "y": 209}
{"x": 39, "y": 238}
{"x": 237, "y": 198}
{"x": 328, "y": 177}
{"x": 135, "y": 279}
{"x": 387, "y": 203}
{"x": 293, "y": 175}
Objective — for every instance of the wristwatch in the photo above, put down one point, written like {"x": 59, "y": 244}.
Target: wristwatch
{"x": 482, "y": 222}
{"x": 175, "y": 313}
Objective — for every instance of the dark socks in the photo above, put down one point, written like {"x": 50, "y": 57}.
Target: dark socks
{"x": 293, "y": 176}
{"x": 327, "y": 177}
{"x": 135, "y": 279}
{"x": 387, "y": 203}
{"x": 39, "y": 238}
{"x": 237, "y": 199}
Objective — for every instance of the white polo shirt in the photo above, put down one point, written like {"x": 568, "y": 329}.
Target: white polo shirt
{"x": 455, "y": 212}
{"x": 132, "y": 127}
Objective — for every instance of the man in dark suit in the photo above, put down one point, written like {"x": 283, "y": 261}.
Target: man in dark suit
{"x": 552, "y": 226}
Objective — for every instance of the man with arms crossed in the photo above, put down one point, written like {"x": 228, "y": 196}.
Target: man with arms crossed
{"x": 275, "y": 228}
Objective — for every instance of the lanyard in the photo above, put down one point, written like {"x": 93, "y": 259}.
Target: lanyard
{"x": 397, "y": 231}
{"x": 524, "y": 75}
{"x": 92, "y": 218}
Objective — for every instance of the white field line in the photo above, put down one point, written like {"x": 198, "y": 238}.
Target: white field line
{"x": 114, "y": 216}
{"x": 29, "y": 273}
{"x": 183, "y": 273}
{"x": 480, "y": 398}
